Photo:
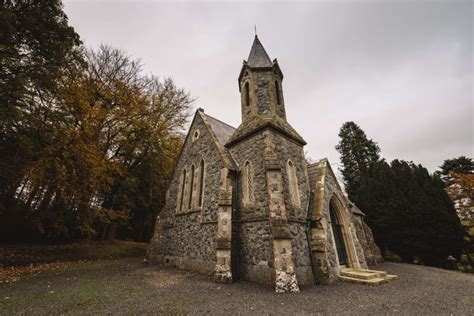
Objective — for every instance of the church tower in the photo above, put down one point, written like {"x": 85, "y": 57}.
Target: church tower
{"x": 273, "y": 185}
{"x": 262, "y": 102}
{"x": 260, "y": 84}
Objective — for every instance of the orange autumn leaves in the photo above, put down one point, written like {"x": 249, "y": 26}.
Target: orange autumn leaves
{"x": 106, "y": 148}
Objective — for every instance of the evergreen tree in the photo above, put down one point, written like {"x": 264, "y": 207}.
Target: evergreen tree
{"x": 358, "y": 153}
{"x": 382, "y": 203}
{"x": 410, "y": 213}
{"x": 462, "y": 165}
{"x": 407, "y": 208}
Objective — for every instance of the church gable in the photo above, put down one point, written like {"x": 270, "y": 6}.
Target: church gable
{"x": 197, "y": 172}
{"x": 220, "y": 133}
{"x": 335, "y": 230}
{"x": 186, "y": 233}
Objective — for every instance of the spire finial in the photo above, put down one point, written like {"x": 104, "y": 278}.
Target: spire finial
{"x": 255, "y": 28}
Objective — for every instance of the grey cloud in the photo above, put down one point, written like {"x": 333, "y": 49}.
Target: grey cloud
{"x": 400, "y": 69}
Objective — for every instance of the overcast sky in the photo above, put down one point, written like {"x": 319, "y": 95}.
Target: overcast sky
{"x": 401, "y": 70}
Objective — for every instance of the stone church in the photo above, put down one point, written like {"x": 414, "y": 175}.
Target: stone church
{"x": 245, "y": 204}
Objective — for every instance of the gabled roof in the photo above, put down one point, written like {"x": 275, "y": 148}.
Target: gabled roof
{"x": 323, "y": 166}
{"x": 215, "y": 128}
{"x": 222, "y": 130}
{"x": 315, "y": 169}
{"x": 356, "y": 210}
{"x": 219, "y": 132}
{"x": 258, "y": 57}
{"x": 313, "y": 175}
{"x": 257, "y": 123}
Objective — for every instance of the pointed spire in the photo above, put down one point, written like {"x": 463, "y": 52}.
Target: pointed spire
{"x": 258, "y": 57}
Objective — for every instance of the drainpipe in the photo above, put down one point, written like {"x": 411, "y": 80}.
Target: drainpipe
{"x": 309, "y": 228}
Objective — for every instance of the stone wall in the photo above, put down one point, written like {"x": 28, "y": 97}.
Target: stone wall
{"x": 255, "y": 233}
{"x": 262, "y": 94}
{"x": 256, "y": 257}
{"x": 297, "y": 216}
{"x": 191, "y": 233}
{"x": 288, "y": 150}
{"x": 187, "y": 237}
{"x": 251, "y": 149}
{"x": 372, "y": 252}
{"x": 352, "y": 244}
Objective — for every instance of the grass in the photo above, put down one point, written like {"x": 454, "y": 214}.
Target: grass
{"x": 18, "y": 261}
{"x": 26, "y": 254}
{"x": 60, "y": 279}
{"x": 67, "y": 289}
{"x": 110, "y": 285}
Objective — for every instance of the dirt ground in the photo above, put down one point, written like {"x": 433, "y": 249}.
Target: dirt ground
{"x": 128, "y": 286}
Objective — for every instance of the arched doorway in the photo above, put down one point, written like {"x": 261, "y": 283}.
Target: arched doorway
{"x": 337, "y": 228}
{"x": 342, "y": 237}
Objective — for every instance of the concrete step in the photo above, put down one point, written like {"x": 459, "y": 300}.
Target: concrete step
{"x": 364, "y": 276}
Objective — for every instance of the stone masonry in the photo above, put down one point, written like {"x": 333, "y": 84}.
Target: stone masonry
{"x": 244, "y": 204}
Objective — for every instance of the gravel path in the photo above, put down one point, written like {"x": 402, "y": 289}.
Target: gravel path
{"x": 127, "y": 286}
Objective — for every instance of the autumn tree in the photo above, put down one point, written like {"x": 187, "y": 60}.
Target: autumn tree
{"x": 37, "y": 49}
{"x": 458, "y": 177}
{"x": 146, "y": 141}
{"x": 113, "y": 145}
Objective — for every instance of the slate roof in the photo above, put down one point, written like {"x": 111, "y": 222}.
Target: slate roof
{"x": 356, "y": 210}
{"x": 222, "y": 130}
{"x": 258, "y": 122}
{"x": 258, "y": 57}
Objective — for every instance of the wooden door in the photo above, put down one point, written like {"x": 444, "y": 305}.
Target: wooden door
{"x": 338, "y": 237}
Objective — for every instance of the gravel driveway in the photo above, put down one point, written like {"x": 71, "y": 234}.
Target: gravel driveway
{"x": 127, "y": 286}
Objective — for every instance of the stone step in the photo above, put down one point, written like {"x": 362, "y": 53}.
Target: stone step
{"x": 363, "y": 276}
{"x": 364, "y": 270}
{"x": 363, "y": 273}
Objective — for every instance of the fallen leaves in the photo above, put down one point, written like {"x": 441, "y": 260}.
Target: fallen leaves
{"x": 13, "y": 274}
{"x": 20, "y": 260}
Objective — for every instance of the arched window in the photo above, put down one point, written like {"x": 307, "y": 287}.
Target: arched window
{"x": 247, "y": 94}
{"x": 248, "y": 183}
{"x": 277, "y": 92}
{"x": 293, "y": 184}
{"x": 201, "y": 183}
{"x": 191, "y": 181}
{"x": 196, "y": 135}
{"x": 183, "y": 185}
